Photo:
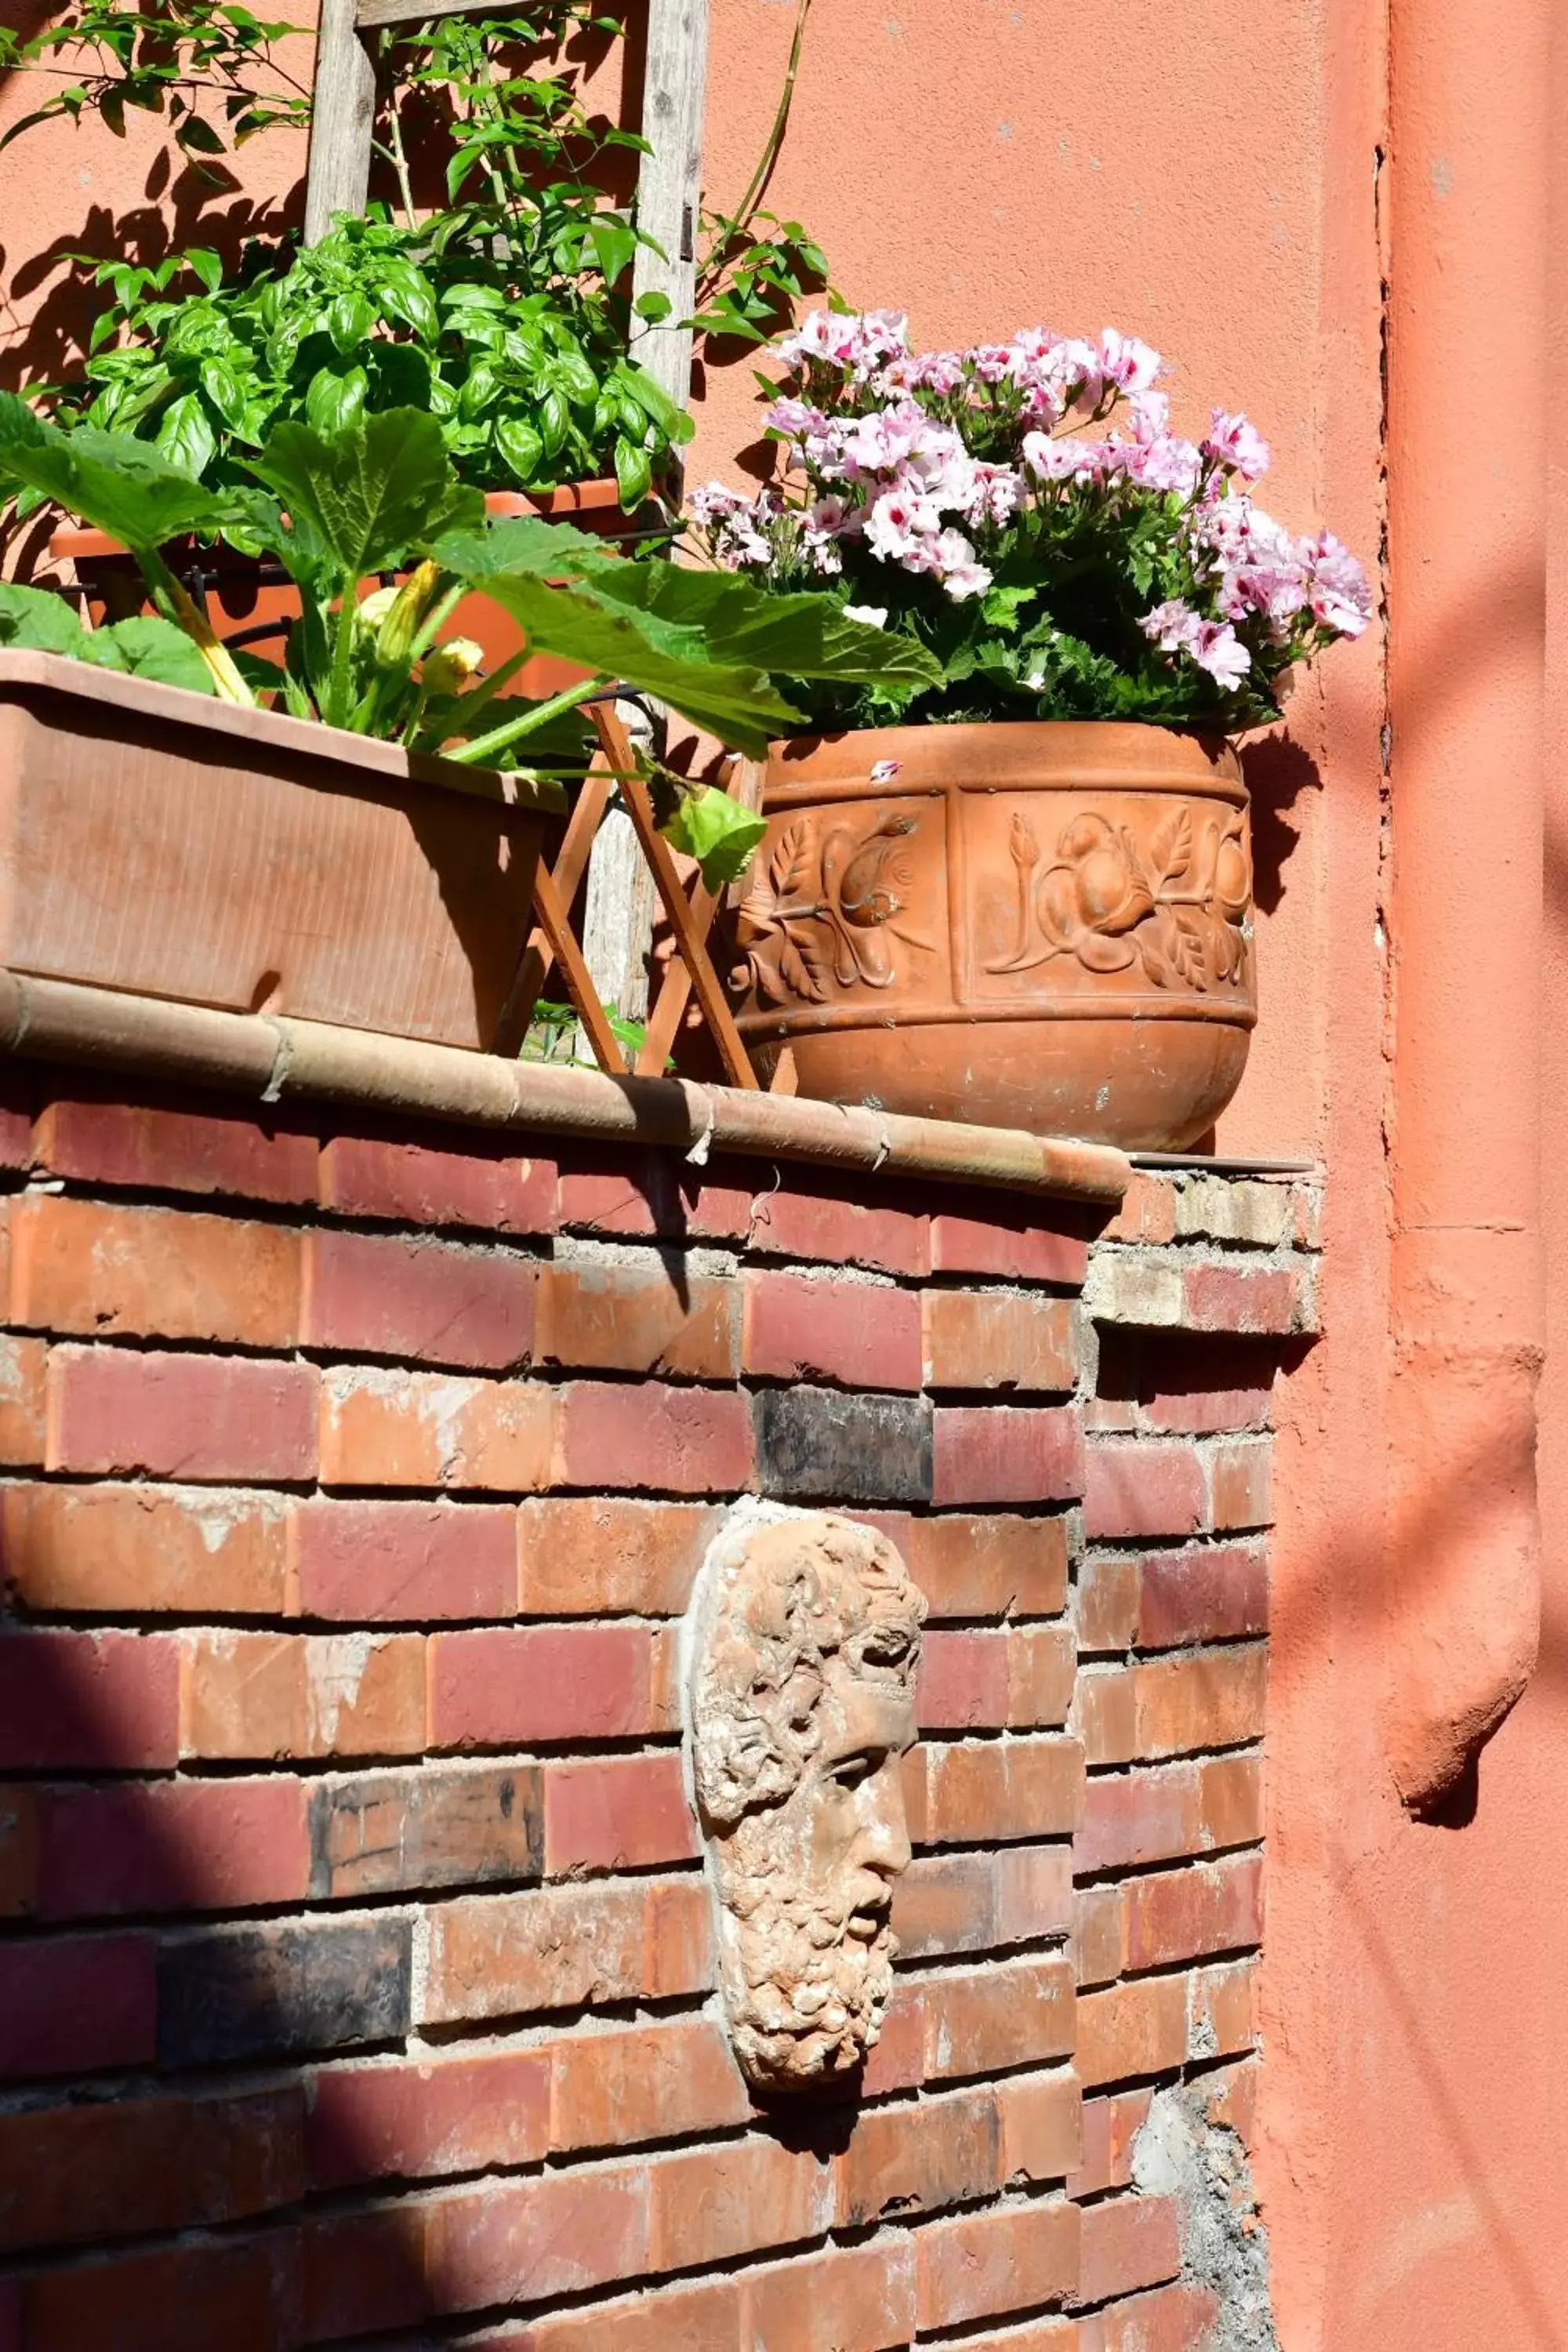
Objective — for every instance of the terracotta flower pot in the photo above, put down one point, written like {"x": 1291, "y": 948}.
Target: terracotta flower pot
{"x": 154, "y": 841}
{"x": 1041, "y": 925}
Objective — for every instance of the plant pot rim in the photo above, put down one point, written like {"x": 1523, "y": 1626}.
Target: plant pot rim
{"x": 177, "y": 706}
{"x": 72, "y": 542}
{"x": 1115, "y": 754}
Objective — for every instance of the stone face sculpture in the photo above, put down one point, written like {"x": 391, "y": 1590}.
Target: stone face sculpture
{"x": 802, "y": 1644}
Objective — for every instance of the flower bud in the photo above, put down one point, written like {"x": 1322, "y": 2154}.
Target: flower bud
{"x": 451, "y": 665}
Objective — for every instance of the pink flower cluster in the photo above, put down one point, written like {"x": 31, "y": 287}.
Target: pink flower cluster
{"x": 928, "y": 462}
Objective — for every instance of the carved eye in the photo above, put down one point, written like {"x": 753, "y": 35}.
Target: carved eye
{"x": 851, "y": 1770}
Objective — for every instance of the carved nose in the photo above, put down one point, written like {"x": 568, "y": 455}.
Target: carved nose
{"x": 886, "y": 1844}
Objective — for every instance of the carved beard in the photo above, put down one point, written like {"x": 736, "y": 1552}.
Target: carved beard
{"x": 805, "y": 1999}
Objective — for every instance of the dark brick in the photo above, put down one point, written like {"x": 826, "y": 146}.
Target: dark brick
{"x": 851, "y": 1449}
{"x": 435, "y": 1827}
{"x": 262, "y": 1991}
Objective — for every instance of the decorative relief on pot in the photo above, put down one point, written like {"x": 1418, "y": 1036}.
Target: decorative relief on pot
{"x": 1154, "y": 890}
{"x": 802, "y": 1643}
{"x": 837, "y": 892}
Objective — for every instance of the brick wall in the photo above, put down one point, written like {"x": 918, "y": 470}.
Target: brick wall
{"x": 356, "y": 1979}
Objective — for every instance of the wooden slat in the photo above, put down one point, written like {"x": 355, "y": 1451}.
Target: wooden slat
{"x": 574, "y": 972}
{"x": 688, "y": 939}
{"x": 669, "y": 183}
{"x": 338, "y": 171}
{"x": 571, "y": 862}
{"x": 669, "y": 1005}
{"x": 373, "y": 14}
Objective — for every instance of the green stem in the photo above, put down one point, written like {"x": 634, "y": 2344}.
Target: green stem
{"x": 337, "y": 710}
{"x": 481, "y": 751}
{"x": 709, "y": 276}
{"x": 396, "y": 149}
{"x": 444, "y": 605}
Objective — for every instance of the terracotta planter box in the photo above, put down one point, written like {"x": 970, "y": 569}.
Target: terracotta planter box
{"x": 1041, "y": 925}
{"x": 154, "y": 841}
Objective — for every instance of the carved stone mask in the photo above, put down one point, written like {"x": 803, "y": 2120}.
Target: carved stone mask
{"x": 803, "y": 1642}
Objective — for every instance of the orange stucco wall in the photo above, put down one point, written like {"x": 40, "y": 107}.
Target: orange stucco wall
{"x": 1222, "y": 182}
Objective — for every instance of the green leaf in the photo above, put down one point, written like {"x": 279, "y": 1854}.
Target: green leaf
{"x": 365, "y": 496}
{"x": 146, "y": 647}
{"x": 350, "y": 319}
{"x": 207, "y": 265}
{"x": 33, "y": 619}
{"x": 654, "y": 307}
{"x": 805, "y": 635}
{"x": 121, "y": 485}
{"x": 715, "y": 830}
{"x": 634, "y": 474}
{"x": 520, "y": 446}
{"x": 199, "y": 137}
{"x": 335, "y": 401}
{"x": 185, "y": 436}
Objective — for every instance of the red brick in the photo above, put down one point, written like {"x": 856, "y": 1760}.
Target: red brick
{"x": 360, "y": 2270}
{"x": 441, "y": 1825}
{"x": 1110, "y": 2125}
{"x": 591, "y": 1555}
{"x": 1222, "y": 2009}
{"x": 565, "y": 1947}
{"x": 428, "y": 1302}
{"x": 1242, "y": 1487}
{"x": 963, "y": 1681}
{"x": 1008, "y": 2013}
{"x": 982, "y": 1792}
{"x": 799, "y": 1223}
{"x": 1048, "y": 2335}
{"x": 858, "y": 2299}
{"x": 1131, "y": 1818}
{"x": 677, "y": 1441}
{"x": 69, "y": 2007}
{"x": 997, "y": 1339}
{"x": 22, "y": 1414}
{"x": 148, "y": 1148}
{"x": 484, "y": 1183}
{"x": 897, "y": 2062}
{"x": 1191, "y": 1914}
{"x": 361, "y": 1562}
{"x": 18, "y": 1850}
{"x": 88, "y": 1700}
{"x": 1147, "y": 1213}
{"x": 802, "y": 1326}
{"x": 1230, "y": 1800}
{"x": 1197, "y": 1699}
{"x": 735, "y": 2198}
{"x": 118, "y": 2168}
{"x": 18, "y": 1097}
{"x": 1148, "y": 1489}
{"x": 534, "y": 2240}
{"x": 1034, "y": 1892}
{"x": 1202, "y": 1411}
{"x": 113, "y": 1410}
{"x": 196, "y": 1549}
{"x": 1231, "y": 2099}
{"x": 970, "y": 1566}
{"x": 1041, "y": 2138}
{"x": 649, "y": 2082}
{"x": 1128, "y": 2242}
{"x": 1172, "y": 2319}
{"x": 628, "y": 1318}
{"x": 173, "y": 1845}
{"x": 919, "y": 2155}
{"x": 182, "y": 2298}
{"x": 1105, "y": 1714}
{"x": 1251, "y": 1299}
{"x": 281, "y": 1695}
{"x": 165, "y": 1274}
{"x": 1131, "y": 2029}
{"x": 637, "y": 1194}
{"x": 1009, "y": 1246}
{"x": 1209, "y": 1593}
{"x": 1106, "y": 1604}
{"x": 946, "y": 1903}
{"x": 385, "y": 1427}
{"x": 616, "y": 1813}
{"x": 1041, "y": 1664}
{"x": 1098, "y": 1938}
{"x": 1006, "y": 1454}
{"x": 974, "y": 2265}
{"x": 408, "y": 2118}
{"x": 510, "y": 1686}
{"x": 702, "y": 2318}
